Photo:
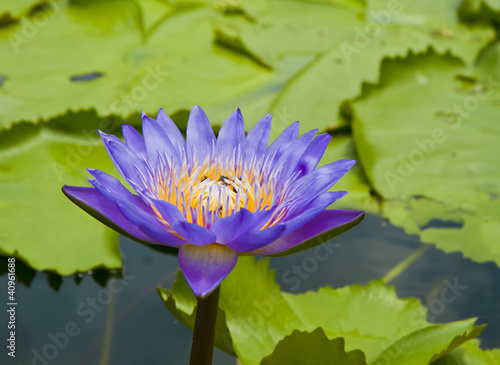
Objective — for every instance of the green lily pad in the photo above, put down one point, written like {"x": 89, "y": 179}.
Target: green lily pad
{"x": 347, "y": 42}
{"x": 313, "y": 348}
{"x": 38, "y": 224}
{"x": 439, "y": 178}
{"x": 117, "y": 57}
{"x": 371, "y": 319}
{"x": 470, "y": 354}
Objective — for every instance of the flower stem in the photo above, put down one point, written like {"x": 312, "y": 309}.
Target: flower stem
{"x": 202, "y": 348}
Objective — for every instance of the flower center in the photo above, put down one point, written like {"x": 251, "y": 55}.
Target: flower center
{"x": 216, "y": 189}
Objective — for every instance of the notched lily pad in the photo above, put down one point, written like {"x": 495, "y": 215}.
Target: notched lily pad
{"x": 265, "y": 323}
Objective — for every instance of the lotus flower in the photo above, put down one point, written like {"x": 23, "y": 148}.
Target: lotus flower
{"x": 218, "y": 198}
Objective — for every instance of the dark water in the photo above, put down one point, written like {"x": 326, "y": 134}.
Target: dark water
{"x": 135, "y": 328}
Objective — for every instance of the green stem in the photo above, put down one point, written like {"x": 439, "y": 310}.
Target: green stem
{"x": 403, "y": 265}
{"x": 202, "y": 348}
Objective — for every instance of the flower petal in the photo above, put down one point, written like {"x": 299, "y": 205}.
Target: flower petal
{"x": 310, "y": 211}
{"x": 199, "y": 135}
{"x": 106, "y": 211}
{"x": 257, "y": 239}
{"x": 229, "y": 229}
{"x": 126, "y": 161}
{"x": 314, "y": 153}
{"x": 279, "y": 145}
{"x": 258, "y": 138}
{"x": 291, "y": 156}
{"x": 322, "y": 228}
{"x": 113, "y": 189}
{"x": 158, "y": 143}
{"x": 171, "y": 130}
{"x": 320, "y": 180}
{"x": 191, "y": 232}
{"x": 134, "y": 141}
{"x": 205, "y": 267}
{"x": 149, "y": 224}
{"x": 231, "y": 135}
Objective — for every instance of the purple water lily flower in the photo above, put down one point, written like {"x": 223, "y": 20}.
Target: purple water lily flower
{"x": 217, "y": 198}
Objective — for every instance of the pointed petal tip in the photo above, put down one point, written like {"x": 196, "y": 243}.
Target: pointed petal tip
{"x": 102, "y": 134}
{"x": 161, "y": 113}
{"x": 351, "y": 163}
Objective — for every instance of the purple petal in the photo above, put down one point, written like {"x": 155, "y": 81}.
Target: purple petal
{"x": 113, "y": 189}
{"x": 314, "y": 153}
{"x": 257, "y": 239}
{"x": 205, "y": 267}
{"x": 231, "y": 135}
{"x": 191, "y": 232}
{"x": 150, "y": 224}
{"x": 157, "y": 142}
{"x": 279, "y": 145}
{"x": 199, "y": 135}
{"x": 293, "y": 153}
{"x": 125, "y": 160}
{"x": 258, "y": 138}
{"x": 323, "y": 228}
{"x": 134, "y": 141}
{"x": 320, "y": 180}
{"x": 311, "y": 210}
{"x": 106, "y": 211}
{"x": 171, "y": 130}
{"x": 229, "y": 229}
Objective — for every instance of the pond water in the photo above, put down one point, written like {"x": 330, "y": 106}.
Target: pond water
{"x": 135, "y": 327}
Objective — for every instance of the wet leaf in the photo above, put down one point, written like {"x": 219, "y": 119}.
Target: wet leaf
{"x": 369, "y": 318}
{"x": 117, "y": 57}
{"x": 439, "y": 119}
{"x": 37, "y": 222}
{"x": 347, "y": 42}
{"x": 313, "y": 348}
{"x": 470, "y": 354}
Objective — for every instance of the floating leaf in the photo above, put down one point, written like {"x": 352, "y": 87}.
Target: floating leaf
{"x": 470, "y": 354}
{"x": 38, "y": 224}
{"x": 313, "y": 348}
{"x": 432, "y": 111}
{"x": 101, "y": 55}
{"x": 371, "y": 319}
{"x": 347, "y": 42}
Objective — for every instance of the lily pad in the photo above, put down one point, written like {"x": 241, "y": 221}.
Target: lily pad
{"x": 470, "y": 354}
{"x": 117, "y": 57}
{"x": 38, "y": 224}
{"x": 371, "y": 319}
{"x": 439, "y": 178}
{"x": 313, "y": 348}
{"x": 347, "y": 41}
